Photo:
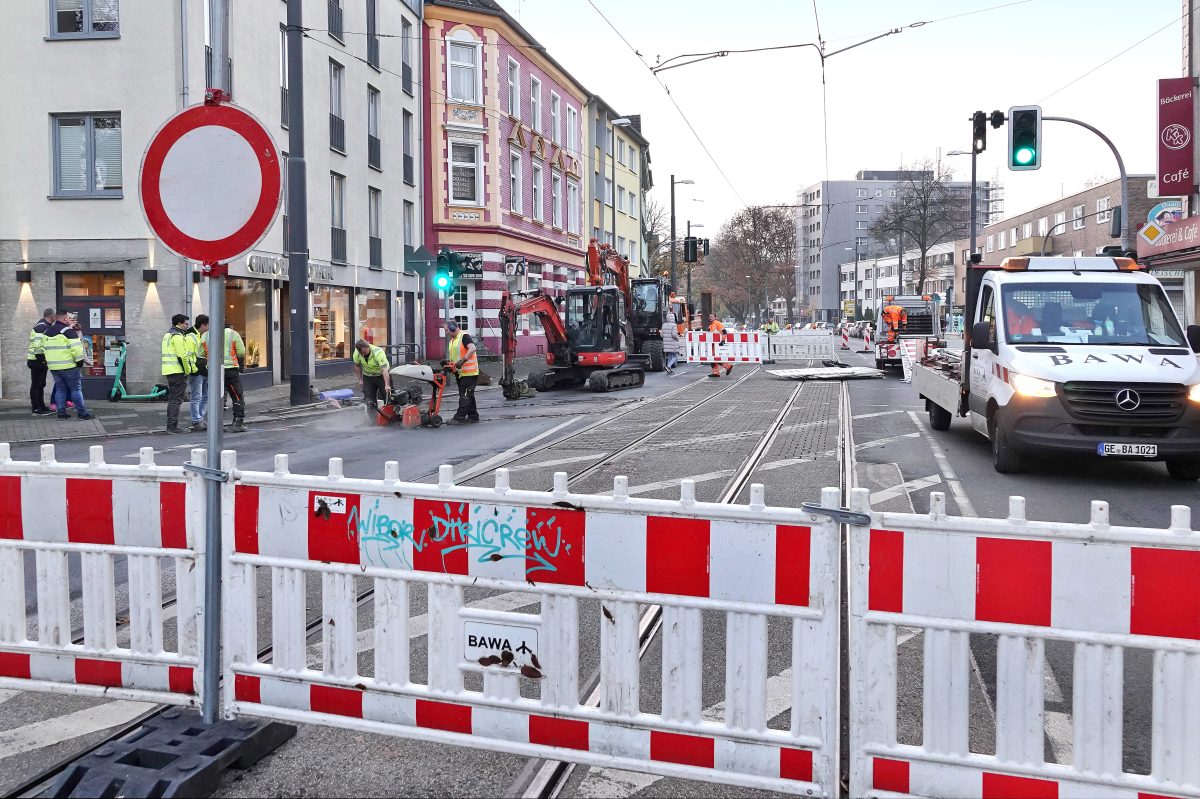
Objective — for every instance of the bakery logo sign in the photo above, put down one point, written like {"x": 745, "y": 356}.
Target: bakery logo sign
{"x": 1176, "y": 103}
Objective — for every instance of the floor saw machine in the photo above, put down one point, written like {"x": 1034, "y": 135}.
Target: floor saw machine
{"x": 404, "y": 400}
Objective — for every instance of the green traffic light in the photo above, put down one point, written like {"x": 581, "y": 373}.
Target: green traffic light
{"x": 441, "y": 280}
{"x": 1025, "y": 155}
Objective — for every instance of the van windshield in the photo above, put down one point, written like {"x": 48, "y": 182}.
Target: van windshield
{"x": 1132, "y": 315}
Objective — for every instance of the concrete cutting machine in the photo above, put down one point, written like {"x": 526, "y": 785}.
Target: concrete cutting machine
{"x": 404, "y": 401}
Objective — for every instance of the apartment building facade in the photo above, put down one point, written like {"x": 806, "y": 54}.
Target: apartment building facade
{"x": 619, "y": 160}
{"x": 96, "y": 78}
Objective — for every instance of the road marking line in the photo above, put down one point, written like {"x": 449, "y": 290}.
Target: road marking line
{"x": 904, "y": 488}
{"x": 879, "y": 442}
{"x": 699, "y": 478}
{"x": 960, "y": 494}
{"x": 7, "y": 694}
{"x": 556, "y": 462}
{"x": 872, "y": 415}
{"x": 72, "y": 725}
{"x": 779, "y": 464}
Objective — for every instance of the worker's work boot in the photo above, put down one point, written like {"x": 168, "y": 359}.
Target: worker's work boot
{"x": 728, "y": 368}
{"x": 239, "y": 426}
{"x": 716, "y": 371}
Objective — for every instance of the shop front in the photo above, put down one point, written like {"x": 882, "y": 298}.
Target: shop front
{"x": 1170, "y": 249}
{"x": 96, "y": 302}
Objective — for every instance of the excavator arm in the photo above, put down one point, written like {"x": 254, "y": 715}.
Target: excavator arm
{"x": 606, "y": 268}
{"x": 511, "y": 309}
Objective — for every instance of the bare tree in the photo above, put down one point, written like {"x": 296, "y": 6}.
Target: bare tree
{"x": 656, "y": 225}
{"x": 753, "y": 260}
{"x": 926, "y": 212}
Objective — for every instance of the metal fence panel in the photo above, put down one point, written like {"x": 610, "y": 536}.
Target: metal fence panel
{"x": 420, "y": 542}
{"x": 91, "y": 519}
{"x": 1027, "y": 585}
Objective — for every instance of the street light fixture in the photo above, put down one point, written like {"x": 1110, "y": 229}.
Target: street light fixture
{"x": 674, "y": 182}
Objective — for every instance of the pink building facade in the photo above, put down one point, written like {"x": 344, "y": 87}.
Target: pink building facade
{"x": 504, "y": 170}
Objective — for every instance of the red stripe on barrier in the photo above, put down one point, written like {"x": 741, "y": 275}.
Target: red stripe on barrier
{"x": 1165, "y": 592}
{"x": 1013, "y": 580}
{"x": 793, "y": 546}
{"x": 332, "y": 533}
{"x": 14, "y": 665}
{"x": 98, "y": 672}
{"x": 1143, "y": 795}
{"x": 796, "y": 764}
{"x": 1006, "y": 786}
{"x": 440, "y": 527}
{"x": 247, "y": 688}
{"x": 677, "y": 556}
{"x": 885, "y": 586}
{"x": 889, "y": 775}
{"x": 10, "y": 508}
{"x": 555, "y": 551}
{"x": 245, "y": 519}
{"x": 567, "y": 733}
{"x": 443, "y": 716}
{"x": 172, "y": 515}
{"x": 89, "y": 511}
{"x": 687, "y": 750}
{"x": 335, "y": 701}
{"x": 181, "y": 680}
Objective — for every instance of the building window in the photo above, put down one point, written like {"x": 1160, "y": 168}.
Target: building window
{"x": 464, "y": 173}
{"x": 608, "y": 192}
{"x": 1077, "y": 217}
{"x": 879, "y": 192}
{"x": 514, "y": 89}
{"x": 335, "y": 20}
{"x": 892, "y": 193}
{"x": 1001, "y": 237}
{"x": 1060, "y": 219}
{"x": 374, "y": 147}
{"x": 515, "y": 203}
{"x": 372, "y": 316}
{"x": 572, "y": 207}
{"x": 572, "y": 130}
{"x": 1103, "y": 214}
{"x": 536, "y": 190}
{"x": 1027, "y": 230}
{"x": 372, "y": 35}
{"x": 247, "y": 310}
{"x": 464, "y": 72}
{"x": 621, "y": 198}
{"x": 632, "y": 159}
{"x": 1043, "y": 226}
{"x": 991, "y": 244}
{"x": 621, "y": 151}
{"x": 410, "y": 224}
{"x": 860, "y": 241}
{"x": 410, "y": 169}
{"x": 861, "y": 224}
{"x": 535, "y": 103}
{"x": 608, "y": 149}
{"x": 860, "y": 209}
{"x": 337, "y": 124}
{"x": 80, "y": 19}
{"x": 283, "y": 77}
{"x": 375, "y": 227}
{"x": 633, "y": 204}
{"x": 331, "y": 323}
{"x": 87, "y": 155}
{"x": 337, "y": 217}
{"x": 556, "y": 199}
{"x": 555, "y": 121}
{"x": 1012, "y": 236}
{"x": 621, "y": 245}
{"x": 406, "y": 70}
{"x": 860, "y": 192}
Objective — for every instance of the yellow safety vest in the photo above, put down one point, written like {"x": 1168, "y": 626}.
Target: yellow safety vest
{"x": 234, "y": 347}
{"x": 62, "y": 352}
{"x": 374, "y": 364}
{"x": 37, "y": 341}
{"x": 471, "y": 361}
{"x": 176, "y": 355}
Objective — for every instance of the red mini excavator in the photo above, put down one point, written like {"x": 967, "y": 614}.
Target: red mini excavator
{"x": 589, "y": 347}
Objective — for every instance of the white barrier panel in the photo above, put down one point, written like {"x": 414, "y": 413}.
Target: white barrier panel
{"x": 1101, "y": 590}
{"x": 803, "y": 345}
{"x": 95, "y": 518}
{"x": 706, "y": 347}
{"x": 908, "y": 356}
{"x": 767, "y": 571}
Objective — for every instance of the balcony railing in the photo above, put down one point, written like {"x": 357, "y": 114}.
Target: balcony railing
{"x": 337, "y": 245}
{"x": 283, "y": 106}
{"x": 374, "y": 152}
{"x": 407, "y": 78}
{"x": 335, "y": 20}
{"x": 373, "y": 50}
{"x": 376, "y": 252}
{"x": 209, "y": 77}
{"x": 408, "y": 170}
{"x": 337, "y": 133}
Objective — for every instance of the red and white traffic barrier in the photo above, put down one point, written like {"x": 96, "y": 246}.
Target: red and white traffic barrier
{"x": 845, "y": 338}
{"x": 722, "y": 347}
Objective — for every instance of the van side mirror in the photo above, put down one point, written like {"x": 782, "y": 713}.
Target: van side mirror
{"x": 1193, "y": 337}
{"x": 981, "y": 338}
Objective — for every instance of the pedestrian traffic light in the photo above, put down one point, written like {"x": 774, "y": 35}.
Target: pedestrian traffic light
{"x": 979, "y": 132}
{"x": 1024, "y": 137}
{"x": 705, "y": 250}
{"x": 689, "y": 250}
{"x": 443, "y": 278}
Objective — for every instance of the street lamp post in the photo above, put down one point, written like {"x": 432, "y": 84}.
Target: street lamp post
{"x": 974, "y": 192}
{"x": 673, "y": 182}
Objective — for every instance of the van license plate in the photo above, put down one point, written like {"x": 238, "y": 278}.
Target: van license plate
{"x": 1128, "y": 450}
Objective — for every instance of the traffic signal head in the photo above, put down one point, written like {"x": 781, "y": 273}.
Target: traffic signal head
{"x": 443, "y": 278}
{"x": 1024, "y": 137}
{"x": 705, "y": 247}
{"x": 689, "y": 250}
{"x": 979, "y": 132}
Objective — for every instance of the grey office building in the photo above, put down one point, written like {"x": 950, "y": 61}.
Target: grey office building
{"x": 835, "y": 217}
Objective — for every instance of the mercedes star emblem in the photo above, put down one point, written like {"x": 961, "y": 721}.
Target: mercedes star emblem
{"x": 1128, "y": 399}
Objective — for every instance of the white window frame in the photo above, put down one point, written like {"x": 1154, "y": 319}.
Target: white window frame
{"x": 374, "y": 212}
{"x": 283, "y": 72}
{"x": 1012, "y": 236}
{"x": 573, "y": 130}
{"x": 860, "y": 209}
{"x": 406, "y": 36}
{"x": 1001, "y": 240}
{"x": 410, "y": 223}
{"x": 337, "y": 200}
{"x": 861, "y": 192}
{"x": 1060, "y": 219}
{"x": 991, "y": 244}
{"x": 1043, "y": 226}
{"x": 539, "y": 212}
{"x": 631, "y": 157}
{"x": 535, "y": 102}
{"x": 516, "y": 200}
{"x": 621, "y": 199}
{"x": 89, "y": 154}
{"x": 88, "y": 32}
{"x": 861, "y": 224}
{"x": 337, "y": 88}
{"x": 621, "y": 151}
{"x": 477, "y": 165}
{"x": 1103, "y": 210}
{"x": 374, "y": 110}
{"x": 1077, "y": 214}
{"x": 879, "y": 192}
{"x": 514, "y": 88}
{"x": 573, "y": 206}
{"x": 1027, "y": 230}
{"x": 621, "y": 247}
{"x": 462, "y": 39}
{"x": 555, "y": 118}
{"x": 556, "y": 199}
{"x": 608, "y": 192}
{"x": 631, "y": 198}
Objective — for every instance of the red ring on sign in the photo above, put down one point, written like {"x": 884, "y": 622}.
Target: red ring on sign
{"x": 252, "y": 232}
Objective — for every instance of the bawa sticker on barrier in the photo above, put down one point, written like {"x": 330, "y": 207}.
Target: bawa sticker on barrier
{"x": 713, "y": 347}
{"x": 1026, "y": 585}
{"x": 803, "y": 345}
{"x": 564, "y": 552}
{"x": 63, "y": 517}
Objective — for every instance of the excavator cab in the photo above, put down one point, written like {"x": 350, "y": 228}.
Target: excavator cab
{"x": 595, "y": 319}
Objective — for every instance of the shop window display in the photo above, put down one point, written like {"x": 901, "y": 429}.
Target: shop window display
{"x": 248, "y": 311}
{"x": 331, "y": 323}
{"x": 373, "y": 316}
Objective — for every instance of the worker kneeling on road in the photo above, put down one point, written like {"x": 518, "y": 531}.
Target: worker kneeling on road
{"x": 715, "y": 326}
{"x": 461, "y": 354}
{"x": 896, "y": 319}
{"x": 371, "y": 367}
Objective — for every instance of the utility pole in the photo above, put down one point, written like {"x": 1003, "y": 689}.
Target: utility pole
{"x": 297, "y": 211}
{"x": 673, "y": 235}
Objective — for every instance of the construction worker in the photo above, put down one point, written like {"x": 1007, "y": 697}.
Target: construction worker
{"x": 234, "y": 361}
{"x": 1018, "y": 319}
{"x": 716, "y": 326}
{"x": 461, "y": 354}
{"x": 63, "y": 349}
{"x": 896, "y": 319}
{"x": 371, "y": 367}
{"x": 36, "y": 361}
{"x": 198, "y": 380}
{"x": 771, "y": 327}
{"x": 178, "y": 364}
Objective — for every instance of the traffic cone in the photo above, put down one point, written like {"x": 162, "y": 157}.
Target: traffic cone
{"x": 866, "y": 340}
{"x": 845, "y": 339}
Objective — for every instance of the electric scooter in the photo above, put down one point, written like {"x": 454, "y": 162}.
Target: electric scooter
{"x": 119, "y": 391}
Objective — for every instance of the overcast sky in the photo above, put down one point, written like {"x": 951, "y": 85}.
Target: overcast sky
{"x": 892, "y": 101}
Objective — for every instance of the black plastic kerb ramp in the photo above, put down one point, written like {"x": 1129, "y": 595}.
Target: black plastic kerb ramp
{"x": 172, "y": 754}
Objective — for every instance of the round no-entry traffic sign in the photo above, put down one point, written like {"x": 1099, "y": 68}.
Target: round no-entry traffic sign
{"x": 210, "y": 183}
